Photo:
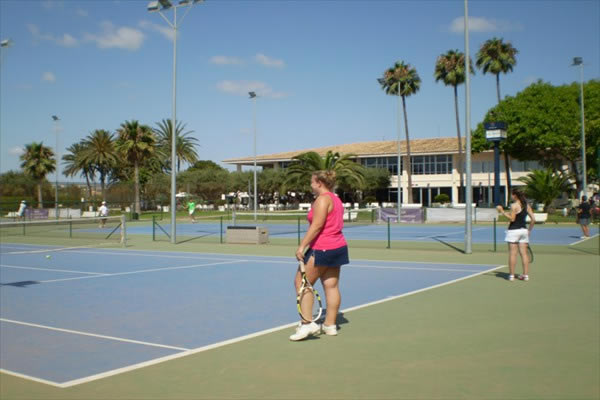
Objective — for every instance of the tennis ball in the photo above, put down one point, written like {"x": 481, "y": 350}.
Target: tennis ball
{"x": 48, "y": 256}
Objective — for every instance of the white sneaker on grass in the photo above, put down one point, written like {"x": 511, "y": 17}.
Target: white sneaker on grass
{"x": 305, "y": 330}
{"x": 330, "y": 330}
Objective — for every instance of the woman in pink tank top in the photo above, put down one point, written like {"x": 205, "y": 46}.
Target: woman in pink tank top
{"x": 324, "y": 251}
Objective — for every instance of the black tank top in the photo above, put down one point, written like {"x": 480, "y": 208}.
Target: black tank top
{"x": 519, "y": 222}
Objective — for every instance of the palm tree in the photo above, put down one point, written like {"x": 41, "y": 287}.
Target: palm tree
{"x": 544, "y": 186}
{"x": 402, "y": 80}
{"x": 184, "y": 146}
{"x": 76, "y": 163}
{"x": 38, "y": 161}
{"x": 101, "y": 152}
{"x": 135, "y": 143}
{"x": 497, "y": 57}
{"x": 305, "y": 164}
{"x": 450, "y": 68}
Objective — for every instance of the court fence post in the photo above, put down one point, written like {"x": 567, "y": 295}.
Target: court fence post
{"x": 494, "y": 234}
{"x": 221, "y": 230}
{"x": 153, "y": 225}
{"x": 298, "y": 231}
{"x": 70, "y": 229}
{"x": 123, "y": 230}
{"x": 389, "y": 246}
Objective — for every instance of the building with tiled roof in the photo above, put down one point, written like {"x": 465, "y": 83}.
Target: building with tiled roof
{"x": 434, "y": 165}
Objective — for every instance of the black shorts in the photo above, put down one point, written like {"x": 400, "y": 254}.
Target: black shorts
{"x": 328, "y": 258}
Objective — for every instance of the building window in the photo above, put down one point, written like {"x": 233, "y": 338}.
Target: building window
{"x": 431, "y": 165}
{"x": 389, "y": 163}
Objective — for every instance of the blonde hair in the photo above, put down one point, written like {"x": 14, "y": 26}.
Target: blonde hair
{"x": 326, "y": 177}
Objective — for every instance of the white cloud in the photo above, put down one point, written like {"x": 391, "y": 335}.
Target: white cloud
{"x": 268, "y": 61}
{"x": 241, "y": 88}
{"x": 49, "y": 77}
{"x": 81, "y": 12}
{"x": 164, "y": 30}
{"x": 15, "y": 151}
{"x": 122, "y": 38}
{"x": 226, "y": 60}
{"x": 65, "y": 40}
{"x": 482, "y": 24}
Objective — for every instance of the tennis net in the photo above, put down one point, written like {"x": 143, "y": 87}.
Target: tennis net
{"x": 107, "y": 229}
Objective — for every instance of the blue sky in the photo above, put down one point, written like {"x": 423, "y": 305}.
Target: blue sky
{"x": 314, "y": 65}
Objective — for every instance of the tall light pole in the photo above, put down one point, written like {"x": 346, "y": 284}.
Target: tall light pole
{"x": 253, "y": 97}
{"x": 160, "y": 6}
{"x": 382, "y": 82}
{"x": 579, "y": 61}
{"x": 56, "y": 130}
{"x": 469, "y": 190}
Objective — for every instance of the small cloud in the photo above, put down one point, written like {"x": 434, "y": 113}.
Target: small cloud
{"x": 241, "y": 88}
{"x": 268, "y": 61}
{"x": 225, "y": 60}
{"x": 81, "y": 12}
{"x": 15, "y": 151}
{"x": 112, "y": 37}
{"x": 49, "y": 77}
{"x": 164, "y": 30}
{"x": 65, "y": 40}
{"x": 482, "y": 24}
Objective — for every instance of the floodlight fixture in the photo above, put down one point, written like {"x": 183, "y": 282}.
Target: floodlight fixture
{"x": 153, "y": 6}
{"x": 55, "y": 118}
{"x": 6, "y": 43}
{"x": 577, "y": 61}
{"x": 165, "y": 4}
{"x": 252, "y": 94}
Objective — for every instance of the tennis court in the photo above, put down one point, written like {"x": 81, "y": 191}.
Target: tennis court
{"x": 83, "y": 314}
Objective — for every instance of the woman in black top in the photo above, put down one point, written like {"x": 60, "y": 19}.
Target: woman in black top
{"x": 584, "y": 215}
{"x": 517, "y": 235}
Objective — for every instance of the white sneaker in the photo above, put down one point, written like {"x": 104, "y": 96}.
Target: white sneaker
{"x": 330, "y": 330}
{"x": 511, "y": 278}
{"x": 305, "y": 330}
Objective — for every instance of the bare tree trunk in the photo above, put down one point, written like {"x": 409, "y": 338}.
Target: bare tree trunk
{"x": 408, "y": 167}
{"x": 102, "y": 186}
{"x": 506, "y": 157}
{"x": 460, "y": 149}
{"x": 39, "y": 190}
{"x": 136, "y": 187}
{"x": 87, "y": 182}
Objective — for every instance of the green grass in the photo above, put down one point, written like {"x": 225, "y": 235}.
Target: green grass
{"x": 481, "y": 338}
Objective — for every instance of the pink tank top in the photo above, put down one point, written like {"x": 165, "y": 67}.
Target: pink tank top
{"x": 331, "y": 236}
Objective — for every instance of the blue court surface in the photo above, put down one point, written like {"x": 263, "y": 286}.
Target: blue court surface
{"x": 83, "y": 314}
{"x": 542, "y": 234}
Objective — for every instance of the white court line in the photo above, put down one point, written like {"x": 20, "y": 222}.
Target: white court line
{"x": 118, "y": 339}
{"x": 141, "y": 271}
{"x": 56, "y": 249}
{"x": 30, "y": 378}
{"x": 583, "y": 240}
{"x": 449, "y": 233}
{"x": 231, "y": 341}
{"x": 51, "y": 270}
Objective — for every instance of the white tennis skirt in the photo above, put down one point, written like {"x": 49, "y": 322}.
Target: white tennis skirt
{"x": 517, "y": 236}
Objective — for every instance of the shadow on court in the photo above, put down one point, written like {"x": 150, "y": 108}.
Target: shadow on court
{"x": 20, "y": 284}
{"x": 437, "y": 239}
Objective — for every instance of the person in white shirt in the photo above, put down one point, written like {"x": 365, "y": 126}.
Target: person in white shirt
{"x": 103, "y": 210}
{"x": 21, "y": 212}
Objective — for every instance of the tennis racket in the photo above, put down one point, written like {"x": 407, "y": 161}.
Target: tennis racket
{"x": 530, "y": 253}
{"x": 308, "y": 291}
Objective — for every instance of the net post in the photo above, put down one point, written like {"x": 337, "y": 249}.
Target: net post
{"x": 221, "y": 230}
{"x": 153, "y": 227}
{"x": 494, "y": 234}
{"x": 123, "y": 230}
{"x": 388, "y": 233}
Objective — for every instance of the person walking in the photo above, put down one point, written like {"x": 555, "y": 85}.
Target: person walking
{"x": 517, "y": 235}
{"x": 103, "y": 211}
{"x": 584, "y": 215}
{"x": 191, "y": 210}
{"x": 21, "y": 211}
{"x": 324, "y": 250}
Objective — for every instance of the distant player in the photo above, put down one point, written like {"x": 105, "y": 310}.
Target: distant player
{"x": 21, "y": 212}
{"x": 191, "y": 210}
{"x": 103, "y": 211}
